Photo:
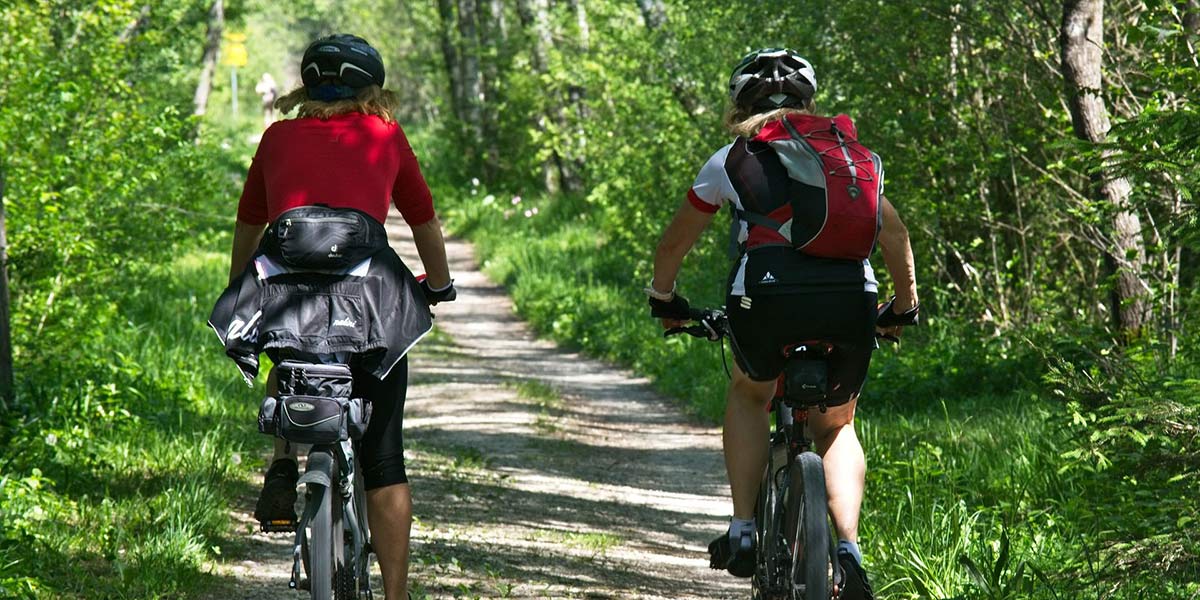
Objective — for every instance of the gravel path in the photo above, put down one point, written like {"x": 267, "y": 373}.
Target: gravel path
{"x": 536, "y": 472}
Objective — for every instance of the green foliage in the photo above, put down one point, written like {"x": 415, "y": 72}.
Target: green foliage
{"x": 1010, "y": 441}
{"x": 99, "y": 157}
{"x": 117, "y": 463}
{"x": 1006, "y": 466}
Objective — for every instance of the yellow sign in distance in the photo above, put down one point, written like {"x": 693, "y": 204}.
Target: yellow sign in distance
{"x": 234, "y": 54}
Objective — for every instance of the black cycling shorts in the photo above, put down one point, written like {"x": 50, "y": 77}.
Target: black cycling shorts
{"x": 844, "y": 318}
{"x": 381, "y": 449}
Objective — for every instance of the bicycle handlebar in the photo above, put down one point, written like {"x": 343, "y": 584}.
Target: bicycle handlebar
{"x": 712, "y": 324}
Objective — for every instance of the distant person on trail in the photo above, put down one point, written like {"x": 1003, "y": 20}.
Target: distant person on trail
{"x": 345, "y": 151}
{"x": 801, "y": 274}
{"x": 269, "y": 91}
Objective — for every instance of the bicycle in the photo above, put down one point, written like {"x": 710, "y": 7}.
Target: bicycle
{"x": 797, "y": 558}
{"x": 332, "y": 553}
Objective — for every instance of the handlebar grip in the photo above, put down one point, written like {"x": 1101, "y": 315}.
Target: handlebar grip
{"x": 694, "y": 330}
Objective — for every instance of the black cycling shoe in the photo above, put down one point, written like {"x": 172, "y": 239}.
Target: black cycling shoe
{"x": 277, "y": 500}
{"x": 722, "y": 556}
{"x": 854, "y": 579}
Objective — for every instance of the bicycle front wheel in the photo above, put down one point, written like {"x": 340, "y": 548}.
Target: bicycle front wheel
{"x": 808, "y": 526}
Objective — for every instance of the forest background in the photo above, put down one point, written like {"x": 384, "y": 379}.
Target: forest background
{"x": 1036, "y": 437}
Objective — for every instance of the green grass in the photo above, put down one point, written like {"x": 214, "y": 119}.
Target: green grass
{"x": 969, "y": 495}
{"x": 124, "y": 480}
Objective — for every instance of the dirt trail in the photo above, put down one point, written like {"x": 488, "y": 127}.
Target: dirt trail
{"x": 536, "y": 472}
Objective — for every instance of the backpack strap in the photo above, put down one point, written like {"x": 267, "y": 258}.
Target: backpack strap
{"x": 791, "y": 129}
{"x": 736, "y": 249}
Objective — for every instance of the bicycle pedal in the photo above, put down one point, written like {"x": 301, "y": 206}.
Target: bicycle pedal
{"x": 278, "y": 526}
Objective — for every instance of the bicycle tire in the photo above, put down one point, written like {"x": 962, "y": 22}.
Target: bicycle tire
{"x": 321, "y": 539}
{"x": 343, "y": 580}
{"x": 808, "y": 523}
{"x": 362, "y": 569}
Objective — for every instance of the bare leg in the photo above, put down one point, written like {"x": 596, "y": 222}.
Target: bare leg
{"x": 845, "y": 465}
{"x": 747, "y": 426}
{"x": 389, "y": 512}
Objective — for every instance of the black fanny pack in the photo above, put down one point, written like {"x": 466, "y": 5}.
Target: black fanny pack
{"x": 322, "y": 238}
{"x": 314, "y": 405}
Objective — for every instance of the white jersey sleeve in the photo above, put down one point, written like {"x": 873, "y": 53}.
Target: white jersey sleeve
{"x": 712, "y": 188}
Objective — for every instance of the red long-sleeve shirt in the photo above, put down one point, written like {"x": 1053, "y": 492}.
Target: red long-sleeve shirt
{"x": 348, "y": 161}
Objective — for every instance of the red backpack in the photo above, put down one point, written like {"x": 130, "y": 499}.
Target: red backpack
{"x": 833, "y": 170}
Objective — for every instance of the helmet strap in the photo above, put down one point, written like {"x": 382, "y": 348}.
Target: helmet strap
{"x": 328, "y": 92}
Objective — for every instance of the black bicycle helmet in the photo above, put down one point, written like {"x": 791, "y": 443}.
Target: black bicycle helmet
{"x": 772, "y": 78}
{"x": 337, "y": 66}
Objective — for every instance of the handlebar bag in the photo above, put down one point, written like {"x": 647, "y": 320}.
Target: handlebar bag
{"x": 322, "y": 238}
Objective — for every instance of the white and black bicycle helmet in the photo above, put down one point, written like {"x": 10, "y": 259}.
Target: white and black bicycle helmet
{"x": 337, "y": 66}
{"x": 772, "y": 78}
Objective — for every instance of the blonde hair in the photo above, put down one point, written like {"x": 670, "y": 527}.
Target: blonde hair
{"x": 746, "y": 123}
{"x": 370, "y": 100}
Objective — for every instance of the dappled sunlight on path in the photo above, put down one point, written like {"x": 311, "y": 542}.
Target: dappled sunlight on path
{"x": 541, "y": 473}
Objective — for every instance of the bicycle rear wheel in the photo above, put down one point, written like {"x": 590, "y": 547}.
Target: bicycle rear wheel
{"x": 808, "y": 526}
{"x": 325, "y": 536}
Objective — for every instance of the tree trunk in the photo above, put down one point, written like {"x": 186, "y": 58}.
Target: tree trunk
{"x": 450, "y": 57}
{"x": 581, "y": 22}
{"x": 470, "y": 75}
{"x": 653, "y": 13}
{"x": 136, "y": 25}
{"x": 535, "y": 19}
{"x": 493, "y": 42}
{"x": 499, "y": 25}
{"x": 6, "y": 360}
{"x": 572, "y": 165}
{"x": 212, "y": 45}
{"x": 1082, "y": 41}
{"x": 1191, "y": 16}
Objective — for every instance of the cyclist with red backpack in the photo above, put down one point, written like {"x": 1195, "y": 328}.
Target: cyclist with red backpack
{"x": 808, "y": 209}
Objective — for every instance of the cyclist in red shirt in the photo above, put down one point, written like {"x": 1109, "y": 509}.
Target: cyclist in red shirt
{"x": 779, "y": 294}
{"x": 345, "y": 150}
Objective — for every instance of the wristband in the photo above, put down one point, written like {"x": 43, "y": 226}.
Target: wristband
{"x": 441, "y": 289}
{"x": 657, "y": 295}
